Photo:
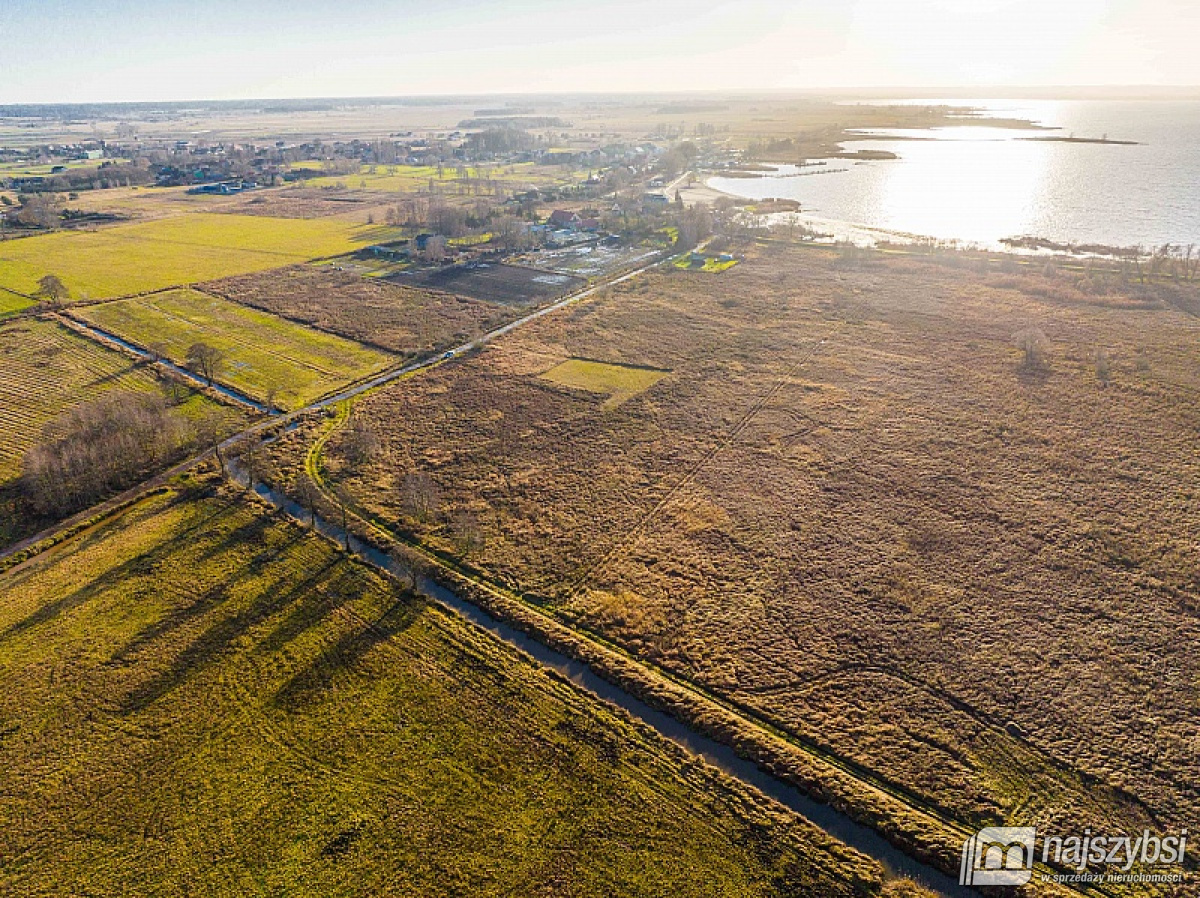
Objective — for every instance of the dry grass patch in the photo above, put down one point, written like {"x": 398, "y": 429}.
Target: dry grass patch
{"x": 407, "y": 320}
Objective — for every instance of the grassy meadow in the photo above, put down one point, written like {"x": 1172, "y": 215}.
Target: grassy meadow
{"x": 617, "y": 382}
{"x": 175, "y": 250}
{"x": 853, "y": 509}
{"x": 11, "y": 303}
{"x": 197, "y": 698}
{"x": 263, "y": 352}
{"x": 411, "y": 178}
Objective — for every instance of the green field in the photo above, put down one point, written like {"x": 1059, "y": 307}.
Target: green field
{"x": 618, "y": 382}
{"x": 179, "y": 250}
{"x": 710, "y": 263}
{"x": 408, "y": 178}
{"x": 23, "y": 170}
{"x": 262, "y": 352}
{"x": 198, "y": 699}
{"x": 10, "y": 303}
{"x": 45, "y": 369}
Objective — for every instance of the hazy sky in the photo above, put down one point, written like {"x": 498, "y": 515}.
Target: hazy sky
{"x": 89, "y": 50}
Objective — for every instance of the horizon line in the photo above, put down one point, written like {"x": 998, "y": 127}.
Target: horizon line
{"x": 932, "y": 91}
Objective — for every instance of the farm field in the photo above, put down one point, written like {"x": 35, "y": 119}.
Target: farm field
{"x": 171, "y": 251}
{"x": 299, "y": 202}
{"x": 409, "y": 178}
{"x": 505, "y": 284}
{"x": 264, "y": 354}
{"x": 10, "y": 303}
{"x": 46, "y": 370}
{"x": 850, "y": 508}
{"x": 406, "y": 320}
{"x": 197, "y": 680}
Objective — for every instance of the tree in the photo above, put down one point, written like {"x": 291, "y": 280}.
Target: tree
{"x": 1033, "y": 344}
{"x": 52, "y": 290}
{"x": 99, "y": 447}
{"x": 435, "y": 249}
{"x": 306, "y": 495}
{"x": 695, "y": 223}
{"x": 205, "y": 360}
{"x": 362, "y": 442}
{"x": 510, "y": 233}
{"x": 254, "y": 462}
{"x": 409, "y": 566}
{"x": 157, "y": 350}
{"x": 1103, "y": 368}
{"x": 420, "y": 496}
{"x": 211, "y": 429}
{"x": 468, "y": 536}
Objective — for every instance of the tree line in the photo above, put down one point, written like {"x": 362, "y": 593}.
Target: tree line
{"x": 108, "y": 444}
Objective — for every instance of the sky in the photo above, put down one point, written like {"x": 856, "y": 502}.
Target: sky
{"x": 122, "y": 50}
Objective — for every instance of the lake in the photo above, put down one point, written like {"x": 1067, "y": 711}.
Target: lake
{"x": 979, "y": 184}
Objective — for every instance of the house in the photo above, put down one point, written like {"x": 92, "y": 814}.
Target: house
{"x": 561, "y": 218}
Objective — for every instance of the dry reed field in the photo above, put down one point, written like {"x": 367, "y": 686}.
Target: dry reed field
{"x": 852, "y": 507}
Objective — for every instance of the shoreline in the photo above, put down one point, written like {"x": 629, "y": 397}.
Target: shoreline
{"x": 840, "y": 231}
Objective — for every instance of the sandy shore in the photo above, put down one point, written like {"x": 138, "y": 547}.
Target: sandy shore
{"x": 700, "y": 192}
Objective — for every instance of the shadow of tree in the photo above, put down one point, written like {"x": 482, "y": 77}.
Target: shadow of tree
{"x": 143, "y": 563}
{"x": 309, "y": 611}
{"x": 214, "y": 595}
{"x": 222, "y": 634}
{"x": 350, "y": 648}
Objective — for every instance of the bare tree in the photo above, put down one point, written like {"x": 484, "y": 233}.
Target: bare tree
{"x": 435, "y": 249}
{"x": 1103, "y": 367}
{"x": 307, "y": 495}
{"x": 254, "y": 461}
{"x": 98, "y": 447}
{"x": 420, "y": 496}
{"x": 52, "y": 290}
{"x": 468, "y": 536}
{"x": 510, "y": 233}
{"x": 1034, "y": 345}
{"x": 205, "y": 360}
{"x": 211, "y": 429}
{"x": 410, "y": 567}
{"x": 362, "y": 442}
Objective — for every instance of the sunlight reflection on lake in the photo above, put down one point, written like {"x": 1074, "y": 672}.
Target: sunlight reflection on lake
{"x": 980, "y": 184}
